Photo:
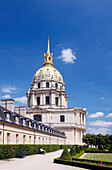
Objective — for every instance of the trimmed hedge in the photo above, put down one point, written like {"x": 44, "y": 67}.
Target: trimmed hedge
{"x": 78, "y": 155}
{"x": 91, "y": 161}
{"x": 82, "y": 164}
{"x": 72, "y": 151}
{"x": 10, "y": 151}
{"x": 66, "y": 155}
{"x": 66, "y": 146}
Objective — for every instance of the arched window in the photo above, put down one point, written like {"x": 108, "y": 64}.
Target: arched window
{"x": 56, "y": 101}
{"x": 38, "y": 100}
{"x": 47, "y": 100}
{"x": 38, "y": 85}
{"x": 56, "y": 85}
{"x": 37, "y": 117}
{"x": 62, "y": 118}
{"x": 47, "y": 84}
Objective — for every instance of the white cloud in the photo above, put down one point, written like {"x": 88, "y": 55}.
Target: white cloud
{"x": 7, "y": 96}
{"x": 97, "y": 114}
{"x": 67, "y": 56}
{"x": 100, "y": 123}
{"x": 22, "y": 100}
{"x": 8, "y": 89}
{"x": 109, "y": 115}
{"x": 102, "y": 98}
{"x": 99, "y": 130}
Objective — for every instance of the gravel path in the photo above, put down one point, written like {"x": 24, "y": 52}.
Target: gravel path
{"x": 36, "y": 162}
{"x": 82, "y": 156}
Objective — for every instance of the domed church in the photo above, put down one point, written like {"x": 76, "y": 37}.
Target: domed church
{"x": 47, "y": 102}
{"x": 47, "y": 118}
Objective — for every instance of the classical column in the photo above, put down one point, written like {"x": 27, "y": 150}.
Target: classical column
{"x": 52, "y": 98}
{"x": 41, "y": 95}
{"x": 76, "y": 136}
{"x": 81, "y": 137}
{"x": 43, "y": 99}
{"x": 81, "y": 118}
{"x": 84, "y": 119}
{"x": 32, "y": 100}
{"x": 61, "y": 102}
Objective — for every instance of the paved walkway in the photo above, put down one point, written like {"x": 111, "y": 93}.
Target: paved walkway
{"x": 36, "y": 162}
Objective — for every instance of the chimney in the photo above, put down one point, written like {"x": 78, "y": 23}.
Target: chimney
{"x": 21, "y": 110}
{"x": 8, "y": 104}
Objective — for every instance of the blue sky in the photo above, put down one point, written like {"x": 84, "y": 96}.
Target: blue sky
{"x": 80, "y": 34}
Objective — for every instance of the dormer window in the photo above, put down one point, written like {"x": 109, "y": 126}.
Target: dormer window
{"x": 8, "y": 116}
{"x": 47, "y": 85}
{"x": 24, "y": 122}
{"x": 17, "y": 120}
{"x": 30, "y": 124}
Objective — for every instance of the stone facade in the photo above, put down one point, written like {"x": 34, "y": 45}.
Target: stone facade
{"x": 17, "y": 129}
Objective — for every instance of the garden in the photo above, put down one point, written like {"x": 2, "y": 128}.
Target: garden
{"x": 99, "y": 157}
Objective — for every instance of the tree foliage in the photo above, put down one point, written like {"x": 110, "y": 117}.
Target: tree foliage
{"x": 96, "y": 140}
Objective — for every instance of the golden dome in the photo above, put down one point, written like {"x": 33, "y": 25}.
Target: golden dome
{"x": 48, "y": 71}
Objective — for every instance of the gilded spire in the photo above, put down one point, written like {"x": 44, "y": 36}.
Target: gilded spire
{"x": 48, "y": 47}
{"x": 48, "y": 56}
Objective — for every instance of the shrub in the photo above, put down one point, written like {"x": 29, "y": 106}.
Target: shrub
{"x": 11, "y": 151}
{"x": 77, "y": 149}
{"x": 80, "y": 147}
{"x": 110, "y": 149}
{"x": 66, "y": 155}
{"x": 66, "y": 146}
{"x": 100, "y": 147}
{"x": 72, "y": 151}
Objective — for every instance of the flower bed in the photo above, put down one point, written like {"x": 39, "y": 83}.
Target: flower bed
{"x": 86, "y": 165}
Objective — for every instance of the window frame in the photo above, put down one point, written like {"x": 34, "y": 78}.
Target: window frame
{"x": 47, "y": 102}
{"x": 56, "y": 101}
{"x": 38, "y": 85}
{"x": 62, "y": 118}
{"x": 38, "y": 102}
{"x": 47, "y": 84}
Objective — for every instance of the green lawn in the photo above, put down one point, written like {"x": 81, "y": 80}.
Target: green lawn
{"x": 99, "y": 156}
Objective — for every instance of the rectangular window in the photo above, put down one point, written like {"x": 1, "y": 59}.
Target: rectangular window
{"x": 47, "y": 100}
{"x": 17, "y": 138}
{"x": 62, "y": 118}
{"x": 8, "y": 138}
{"x": 56, "y": 101}
{"x": 38, "y": 100}
{"x": 37, "y": 117}
{"x": 29, "y": 139}
{"x": 24, "y": 139}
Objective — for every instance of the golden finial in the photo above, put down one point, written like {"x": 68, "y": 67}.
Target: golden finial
{"x": 48, "y": 56}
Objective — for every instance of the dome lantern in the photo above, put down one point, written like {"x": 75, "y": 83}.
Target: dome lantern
{"x": 48, "y": 57}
